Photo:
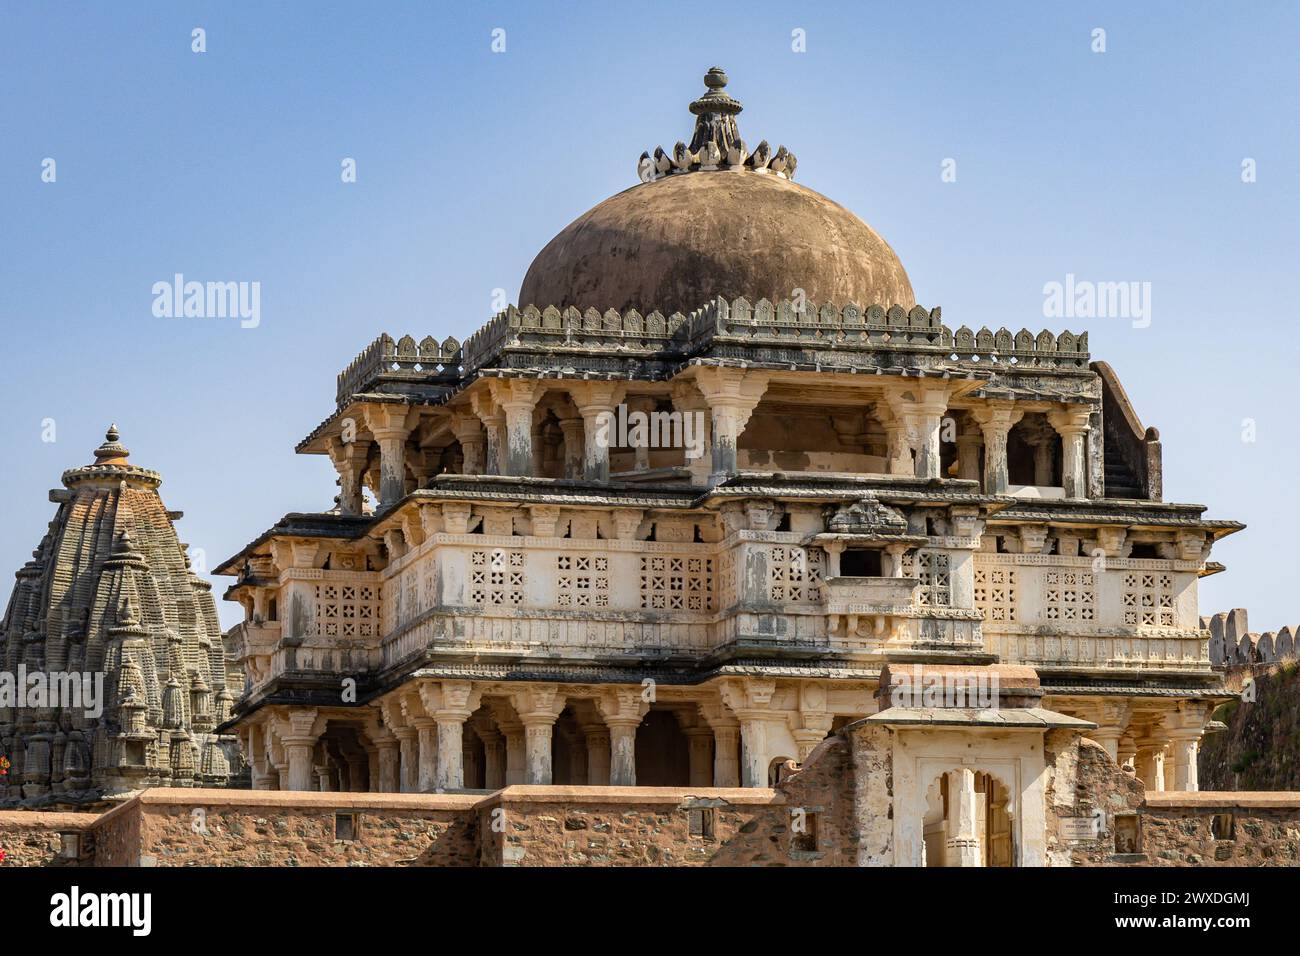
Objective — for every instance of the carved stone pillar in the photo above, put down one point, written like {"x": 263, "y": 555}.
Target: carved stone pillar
{"x": 622, "y": 753}
{"x": 996, "y": 420}
{"x": 963, "y": 844}
{"x": 598, "y": 756}
{"x": 690, "y": 404}
{"x": 643, "y": 405}
{"x": 1186, "y": 726}
{"x": 1043, "y": 464}
{"x": 1072, "y": 425}
{"x": 494, "y": 757}
{"x": 409, "y": 758}
{"x": 1112, "y": 721}
{"x": 596, "y": 402}
{"x": 494, "y": 425}
{"x": 349, "y": 460}
{"x": 389, "y": 765}
{"x": 517, "y": 398}
{"x": 969, "y": 443}
{"x": 426, "y": 729}
{"x": 732, "y": 395}
{"x": 726, "y": 744}
{"x": 1150, "y": 762}
{"x": 920, "y": 410}
{"x": 1185, "y": 745}
{"x": 515, "y": 752}
{"x": 749, "y": 699}
{"x": 576, "y": 747}
{"x": 451, "y": 703}
{"x": 571, "y": 426}
{"x": 622, "y": 709}
{"x": 469, "y": 433}
{"x": 299, "y": 742}
{"x": 700, "y": 742}
{"x": 538, "y": 706}
{"x": 388, "y": 424}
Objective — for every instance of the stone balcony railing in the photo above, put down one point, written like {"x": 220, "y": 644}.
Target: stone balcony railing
{"x": 253, "y": 644}
{"x": 324, "y": 655}
{"x": 1091, "y": 614}
{"x": 503, "y": 597}
{"x": 870, "y": 596}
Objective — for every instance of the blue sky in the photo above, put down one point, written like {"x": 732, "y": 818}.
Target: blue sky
{"x": 1115, "y": 166}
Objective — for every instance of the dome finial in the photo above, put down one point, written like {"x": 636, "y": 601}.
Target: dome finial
{"x": 715, "y": 142}
{"x": 112, "y": 452}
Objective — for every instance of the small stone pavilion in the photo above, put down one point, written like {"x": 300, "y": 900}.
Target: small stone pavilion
{"x": 109, "y": 596}
{"x": 666, "y": 523}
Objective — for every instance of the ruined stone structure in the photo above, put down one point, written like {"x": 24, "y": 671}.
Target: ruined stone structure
{"x": 552, "y": 588}
{"x": 109, "y": 617}
{"x": 1233, "y": 643}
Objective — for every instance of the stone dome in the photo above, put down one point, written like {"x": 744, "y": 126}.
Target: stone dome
{"x": 677, "y": 242}
{"x": 713, "y": 219}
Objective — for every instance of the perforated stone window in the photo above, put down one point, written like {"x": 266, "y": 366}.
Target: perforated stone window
{"x": 496, "y": 578}
{"x": 795, "y": 574}
{"x": 1149, "y": 598}
{"x": 347, "y": 610}
{"x": 1069, "y": 596}
{"x": 995, "y": 592}
{"x": 933, "y": 570}
{"x": 673, "y": 583}
{"x": 582, "y": 580}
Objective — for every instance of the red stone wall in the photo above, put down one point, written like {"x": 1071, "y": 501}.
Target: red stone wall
{"x": 31, "y": 838}
{"x": 1176, "y": 829}
{"x": 644, "y": 826}
{"x": 633, "y": 826}
{"x": 274, "y": 828}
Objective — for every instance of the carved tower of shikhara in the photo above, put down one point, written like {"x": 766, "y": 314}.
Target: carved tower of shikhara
{"x": 114, "y": 667}
{"x": 694, "y": 505}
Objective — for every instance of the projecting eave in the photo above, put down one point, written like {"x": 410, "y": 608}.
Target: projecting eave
{"x": 1134, "y": 513}
{"x": 830, "y": 487}
{"x": 1003, "y": 718}
{"x": 299, "y": 525}
{"x": 513, "y": 492}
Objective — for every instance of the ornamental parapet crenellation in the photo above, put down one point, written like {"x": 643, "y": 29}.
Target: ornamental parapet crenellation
{"x": 855, "y": 335}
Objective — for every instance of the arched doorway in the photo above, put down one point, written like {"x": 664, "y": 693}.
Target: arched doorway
{"x": 967, "y": 821}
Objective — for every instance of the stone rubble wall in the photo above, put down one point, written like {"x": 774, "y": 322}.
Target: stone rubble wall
{"x": 1265, "y": 830}
{"x": 32, "y": 838}
{"x": 1232, "y": 643}
{"x": 658, "y": 826}
{"x": 632, "y": 826}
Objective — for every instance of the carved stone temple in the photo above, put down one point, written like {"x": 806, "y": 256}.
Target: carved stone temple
{"x": 666, "y": 522}
{"x": 110, "y": 592}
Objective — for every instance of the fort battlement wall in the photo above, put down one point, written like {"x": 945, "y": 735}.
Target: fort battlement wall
{"x": 1232, "y": 643}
